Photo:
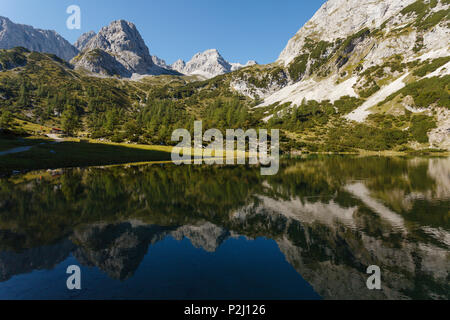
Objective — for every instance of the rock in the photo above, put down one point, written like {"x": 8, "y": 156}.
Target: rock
{"x": 208, "y": 64}
{"x": 178, "y": 65}
{"x": 328, "y": 57}
{"x": 101, "y": 62}
{"x": 84, "y": 39}
{"x": 237, "y": 66}
{"x": 118, "y": 49}
{"x": 17, "y": 35}
{"x": 340, "y": 19}
{"x": 160, "y": 62}
{"x": 124, "y": 45}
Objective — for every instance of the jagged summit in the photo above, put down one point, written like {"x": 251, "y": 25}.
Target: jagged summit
{"x": 178, "y": 65}
{"x": 122, "y": 40}
{"x": 208, "y": 64}
{"x": 160, "y": 62}
{"x": 118, "y": 49}
{"x": 18, "y": 35}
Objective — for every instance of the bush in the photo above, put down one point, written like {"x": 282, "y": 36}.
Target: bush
{"x": 298, "y": 67}
{"x": 362, "y": 136}
{"x": 420, "y": 126}
{"x": 431, "y": 66}
{"x": 426, "y": 92}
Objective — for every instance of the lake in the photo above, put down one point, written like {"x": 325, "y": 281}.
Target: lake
{"x": 226, "y": 232}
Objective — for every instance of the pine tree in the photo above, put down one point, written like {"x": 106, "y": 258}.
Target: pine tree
{"x": 5, "y": 119}
{"x": 23, "y": 100}
{"x": 70, "y": 121}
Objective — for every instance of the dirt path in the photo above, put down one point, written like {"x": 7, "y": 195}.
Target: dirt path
{"x": 55, "y": 137}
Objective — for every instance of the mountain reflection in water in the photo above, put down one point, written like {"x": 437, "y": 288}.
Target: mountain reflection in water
{"x": 328, "y": 217}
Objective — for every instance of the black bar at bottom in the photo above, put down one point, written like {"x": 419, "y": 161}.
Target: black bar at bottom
{"x": 203, "y": 309}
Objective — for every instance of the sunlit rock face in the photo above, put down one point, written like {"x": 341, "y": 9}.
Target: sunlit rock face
{"x": 83, "y": 40}
{"x": 208, "y": 64}
{"x": 334, "y": 54}
{"x": 117, "y": 49}
{"x": 122, "y": 40}
{"x": 341, "y": 18}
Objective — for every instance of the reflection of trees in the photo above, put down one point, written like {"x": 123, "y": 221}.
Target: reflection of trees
{"x": 44, "y": 210}
{"x": 48, "y": 209}
{"x": 325, "y": 228}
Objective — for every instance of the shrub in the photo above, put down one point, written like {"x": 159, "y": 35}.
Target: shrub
{"x": 420, "y": 126}
{"x": 431, "y": 66}
{"x": 298, "y": 67}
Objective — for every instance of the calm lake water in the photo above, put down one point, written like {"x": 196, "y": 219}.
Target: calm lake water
{"x": 209, "y": 232}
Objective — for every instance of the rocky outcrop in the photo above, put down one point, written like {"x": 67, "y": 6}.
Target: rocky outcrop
{"x": 83, "y": 40}
{"x": 100, "y": 62}
{"x": 160, "y": 62}
{"x": 362, "y": 49}
{"x": 207, "y": 64}
{"x": 332, "y": 253}
{"x": 17, "y": 35}
{"x": 340, "y": 19}
{"x": 178, "y": 65}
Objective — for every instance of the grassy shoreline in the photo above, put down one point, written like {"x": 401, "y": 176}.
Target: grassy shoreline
{"x": 385, "y": 153}
{"x": 65, "y": 154}
{"x": 48, "y": 154}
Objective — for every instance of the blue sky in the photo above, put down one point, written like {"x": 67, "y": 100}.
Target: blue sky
{"x": 241, "y": 30}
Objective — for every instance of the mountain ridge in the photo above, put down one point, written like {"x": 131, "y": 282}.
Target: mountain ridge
{"x": 341, "y": 18}
{"x": 19, "y": 35}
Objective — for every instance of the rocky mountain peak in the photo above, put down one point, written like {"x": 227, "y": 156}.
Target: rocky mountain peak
{"x": 178, "y": 65}
{"x": 208, "y": 64}
{"x": 122, "y": 40}
{"x": 17, "y": 35}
